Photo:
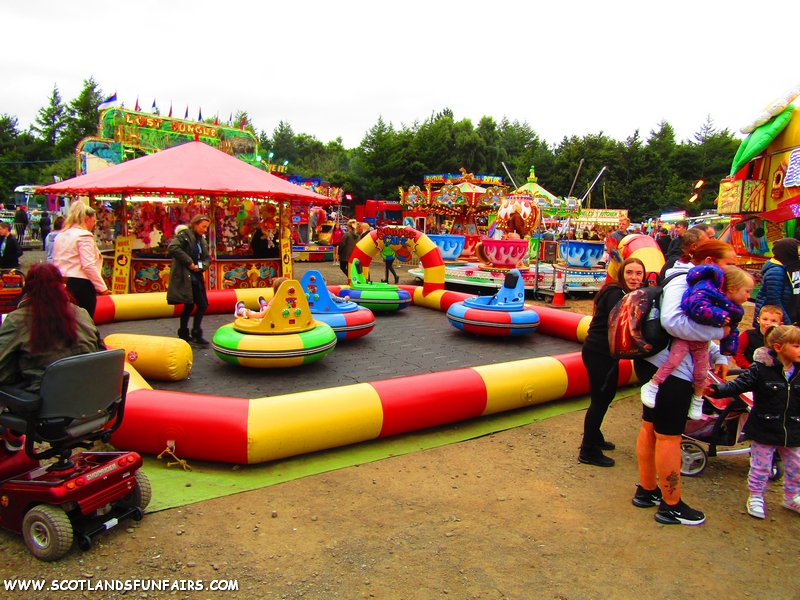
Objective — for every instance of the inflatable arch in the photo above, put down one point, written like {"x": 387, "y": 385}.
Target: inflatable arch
{"x": 270, "y": 428}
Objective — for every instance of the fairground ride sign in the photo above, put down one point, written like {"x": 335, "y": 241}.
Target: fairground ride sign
{"x": 125, "y": 134}
{"x": 479, "y": 179}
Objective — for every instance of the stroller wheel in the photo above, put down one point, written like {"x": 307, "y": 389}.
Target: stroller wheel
{"x": 776, "y": 472}
{"x": 693, "y": 458}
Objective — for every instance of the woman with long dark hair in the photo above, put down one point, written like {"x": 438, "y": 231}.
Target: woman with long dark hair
{"x": 602, "y": 368}
{"x": 46, "y": 327}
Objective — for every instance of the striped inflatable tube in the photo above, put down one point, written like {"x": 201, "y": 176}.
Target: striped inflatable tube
{"x": 263, "y": 429}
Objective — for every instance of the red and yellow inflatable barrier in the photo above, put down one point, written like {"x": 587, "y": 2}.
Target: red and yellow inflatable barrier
{"x": 263, "y": 429}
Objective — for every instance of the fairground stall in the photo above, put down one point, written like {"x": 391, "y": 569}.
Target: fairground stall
{"x": 456, "y": 204}
{"x": 140, "y": 202}
{"x": 312, "y": 223}
{"x": 762, "y": 193}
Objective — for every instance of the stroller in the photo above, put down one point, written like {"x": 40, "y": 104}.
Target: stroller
{"x": 722, "y": 426}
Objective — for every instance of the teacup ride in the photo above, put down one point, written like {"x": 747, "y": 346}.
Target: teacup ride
{"x": 287, "y": 336}
{"x": 502, "y": 255}
{"x": 347, "y": 319}
{"x": 383, "y": 297}
{"x": 501, "y": 315}
{"x": 451, "y": 246}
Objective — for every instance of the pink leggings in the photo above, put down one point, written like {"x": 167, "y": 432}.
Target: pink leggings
{"x": 761, "y": 465}
{"x": 678, "y": 350}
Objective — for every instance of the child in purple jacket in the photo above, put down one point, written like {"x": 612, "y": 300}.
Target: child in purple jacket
{"x": 715, "y": 298}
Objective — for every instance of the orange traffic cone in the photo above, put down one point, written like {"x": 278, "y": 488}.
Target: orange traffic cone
{"x": 558, "y": 297}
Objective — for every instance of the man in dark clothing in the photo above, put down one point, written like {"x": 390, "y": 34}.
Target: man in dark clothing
{"x": 9, "y": 248}
{"x": 664, "y": 241}
{"x": 21, "y": 222}
{"x": 675, "y": 245}
{"x": 620, "y": 233}
{"x": 44, "y": 227}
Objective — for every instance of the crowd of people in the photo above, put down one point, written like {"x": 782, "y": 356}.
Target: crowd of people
{"x": 701, "y": 303}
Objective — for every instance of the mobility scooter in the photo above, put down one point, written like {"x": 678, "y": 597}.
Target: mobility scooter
{"x": 80, "y": 494}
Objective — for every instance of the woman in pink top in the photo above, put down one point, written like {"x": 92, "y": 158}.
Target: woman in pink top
{"x": 76, "y": 255}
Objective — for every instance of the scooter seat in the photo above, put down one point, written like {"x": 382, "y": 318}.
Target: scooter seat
{"x": 18, "y": 400}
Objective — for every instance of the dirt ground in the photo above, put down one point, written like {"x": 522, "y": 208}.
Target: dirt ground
{"x": 509, "y": 515}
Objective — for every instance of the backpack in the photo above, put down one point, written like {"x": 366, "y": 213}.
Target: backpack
{"x": 634, "y": 324}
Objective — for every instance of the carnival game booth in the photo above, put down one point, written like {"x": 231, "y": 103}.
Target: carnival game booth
{"x": 762, "y": 192}
{"x": 155, "y": 193}
{"x": 311, "y": 222}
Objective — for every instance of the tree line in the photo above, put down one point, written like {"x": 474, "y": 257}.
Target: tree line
{"x": 647, "y": 175}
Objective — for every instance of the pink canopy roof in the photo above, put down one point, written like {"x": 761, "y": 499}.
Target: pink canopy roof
{"x": 191, "y": 168}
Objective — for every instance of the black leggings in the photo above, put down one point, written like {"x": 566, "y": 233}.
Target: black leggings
{"x": 603, "y": 371}
{"x": 83, "y": 292}
{"x": 200, "y": 302}
{"x": 389, "y": 267}
{"x": 672, "y": 402}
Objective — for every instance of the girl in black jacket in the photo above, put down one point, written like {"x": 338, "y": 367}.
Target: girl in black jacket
{"x": 602, "y": 368}
{"x": 774, "y": 420}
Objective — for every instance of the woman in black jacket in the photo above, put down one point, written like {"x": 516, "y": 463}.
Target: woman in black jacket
{"x": 603, "y": 370}
{"x": 774, "y": 420}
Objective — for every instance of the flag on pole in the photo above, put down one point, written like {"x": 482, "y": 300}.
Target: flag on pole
{"x": 186, "y": 116}
{"x": 230, "y": 120}
{"x": 108, "y": 102}
{"x": 244, "y": 121}
{"x": 200, "y": 115}
{"x": 154, "y": 108}
{"x": 136, "y": 108}
{"x": 170, "y": 109}
{"x": 216, "y": 120}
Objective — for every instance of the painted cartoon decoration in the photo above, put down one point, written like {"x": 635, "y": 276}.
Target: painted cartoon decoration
{"x": 773, "y": 110}
{"x": 531, "y": 214}
{"x": 761, "y": 137}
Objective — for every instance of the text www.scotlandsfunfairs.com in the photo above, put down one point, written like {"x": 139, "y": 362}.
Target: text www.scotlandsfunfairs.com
{"x": 120, "y": 585}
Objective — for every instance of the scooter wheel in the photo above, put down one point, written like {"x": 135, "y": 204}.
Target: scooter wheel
{"x": 693, "y": 458}
{"x": 47, "y": 532}
{"x": 140, "y": 495}
{"x": 84, "y": 542}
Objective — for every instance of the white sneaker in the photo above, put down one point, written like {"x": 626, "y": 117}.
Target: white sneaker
{"x": 240, "y": 310}
{"x": 755, "y": 507}
{"x": 696, "y": 409}
{"x": 793, "y": 504}
{"x": 648, "y": 393}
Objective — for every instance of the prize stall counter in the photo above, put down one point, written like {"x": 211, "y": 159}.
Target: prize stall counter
{"x": 235, "y": 225}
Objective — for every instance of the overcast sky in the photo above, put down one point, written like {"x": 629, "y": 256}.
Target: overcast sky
{"x": 331, "y": 68}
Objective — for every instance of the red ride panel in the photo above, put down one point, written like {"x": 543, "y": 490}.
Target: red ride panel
{"x": 203, "y": 427}
{"x": 420, "y": 401}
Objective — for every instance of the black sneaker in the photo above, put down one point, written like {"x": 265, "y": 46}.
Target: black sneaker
{"x": 594, "y": 456}
{"x": 680, "y": 514}
{"x": 646, "y": 498}
{"x": 606, "y": 445}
